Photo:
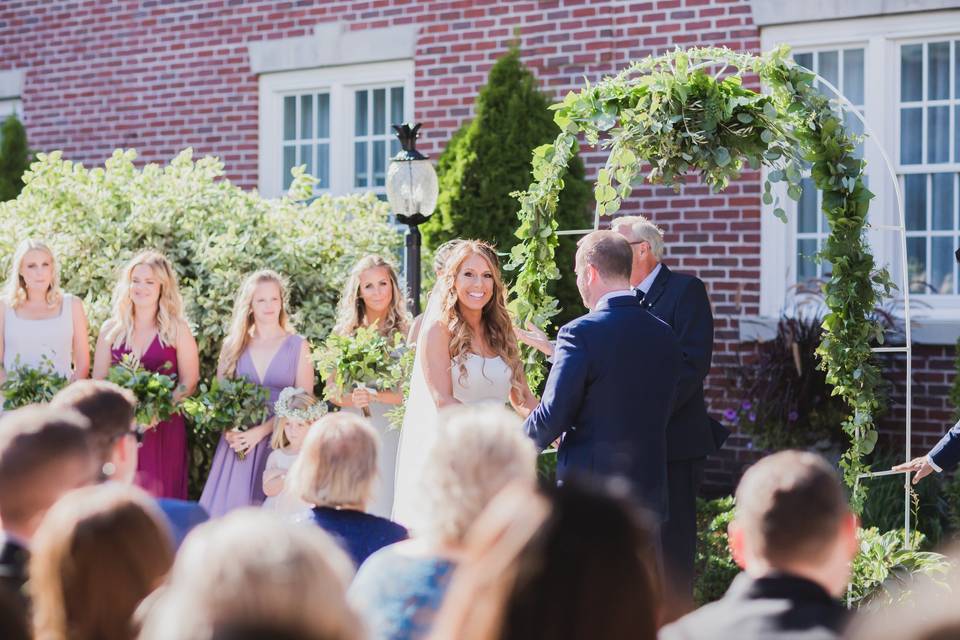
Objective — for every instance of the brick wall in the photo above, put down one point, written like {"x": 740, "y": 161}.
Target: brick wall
{"x": 159, "y": 76}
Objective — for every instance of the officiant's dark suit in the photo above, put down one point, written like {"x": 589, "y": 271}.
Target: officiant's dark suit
{"x": 610, "y": 392}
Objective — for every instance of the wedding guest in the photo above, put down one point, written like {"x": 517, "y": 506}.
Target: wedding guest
{"x": 147, "y": 321}
{"x": 115, "y": 438}
{"x": 336, "y": 472}
{"x": 13, "y": 616}
{"x": 296, "y": 411}
{"x": 536, "y": 567}
{"x": 99, "y": 552}
{"x": 43, "y": 454}
{"x": 372, "y": 297}
{"x": 41, "y": 327}
{"x": 795, "y": 537}
{"x": 262, "y": 347}
{"x": 440, "y": 257}
{"x": 252, "y": 571}
{"x": 477, "y": 452}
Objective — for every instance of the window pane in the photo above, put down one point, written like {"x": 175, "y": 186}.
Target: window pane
{"x": 323, "y": 115}
{"x": 804, "y": 60}
{"x": 379, "y": 163}
{"x": 941, "y": 266}
{"x": 306, "y": 117}
{"x": 915, "y": 201}
{"x": 289, "y": 162}
{"x": 853, "y": 75}
{"x": 396, "y": 105}
{"x": 854, "y": 126}
{"x": 306, "y": 157}
{"x": 956, "y": 72}
{"x": 379, "y": 111}
{"x": 360, "y": 113}
{"x": 938, "y": 134}
{"x": 917, "y": 264}
{"x": 911, "y": 136}
{"x": 956, "y": 132}
{"x": 941, "y": 209}
{"x": 829, "y": 63}
{"x": 807, "y": 208}
{"x": 289, "y": 118}
{"x": 360, "y": 164}
{"x": 323, "y": 165}
{"x": 394, "y": 147}
{"x": 806, "y": 267}
{"x": 911, "y": 72}
{"x": 938, "y": 70}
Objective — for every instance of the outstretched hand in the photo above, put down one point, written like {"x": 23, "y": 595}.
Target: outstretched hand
{"x": 919, "y": 465}
{"x": 534, "y": 337}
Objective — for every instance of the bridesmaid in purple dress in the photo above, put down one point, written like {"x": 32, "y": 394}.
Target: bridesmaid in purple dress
{"x": 147, "y": 320}
{"x": 262, "y": 347}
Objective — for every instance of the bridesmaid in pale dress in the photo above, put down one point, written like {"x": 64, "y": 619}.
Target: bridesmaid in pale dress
{"x": 148, "y": 321}
{"x": 262, "y": 347}
{"x": 372, "y": 296}
{"x": 40, "y": 325}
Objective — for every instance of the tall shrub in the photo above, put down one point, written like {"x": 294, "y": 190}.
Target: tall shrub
{"x": 214, "y": 233}
{"x": 14, "y": 157}
{"x": 489, "y": 158}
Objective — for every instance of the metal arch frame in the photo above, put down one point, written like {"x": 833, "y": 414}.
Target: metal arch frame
{"x": 901, "y": 229}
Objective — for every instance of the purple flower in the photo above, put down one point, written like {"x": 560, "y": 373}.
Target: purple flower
{"x": 730, "y": 415}
{"x": 747, "y": 405}
{"x": 750, "y": 445}
{"x": 752, "y": 416}
{"x": 792, "y": 416}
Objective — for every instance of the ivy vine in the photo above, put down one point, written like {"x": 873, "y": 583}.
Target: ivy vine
{"x": 685, "y": 112}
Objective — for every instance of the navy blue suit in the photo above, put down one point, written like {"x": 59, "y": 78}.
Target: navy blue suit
{"x": 182, "y": 515}
{"x": 946, "y": 454}
{"x": 610, "y": 393}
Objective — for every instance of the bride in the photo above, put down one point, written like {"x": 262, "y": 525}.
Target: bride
{"x": 467, "y": 353}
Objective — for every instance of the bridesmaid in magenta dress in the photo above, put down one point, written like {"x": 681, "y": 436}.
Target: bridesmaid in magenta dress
{"x": 148, "y": 320}
{"x": 262, "y": 347}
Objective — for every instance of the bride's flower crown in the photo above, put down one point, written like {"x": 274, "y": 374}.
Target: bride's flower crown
{"x": 282, "y": 408}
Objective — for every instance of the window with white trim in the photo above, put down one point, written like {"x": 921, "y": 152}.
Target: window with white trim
{"x": 336, "y": 121}
{"x": 10, "y": 106}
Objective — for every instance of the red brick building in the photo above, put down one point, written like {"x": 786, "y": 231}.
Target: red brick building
{"x": 266, "y": 85}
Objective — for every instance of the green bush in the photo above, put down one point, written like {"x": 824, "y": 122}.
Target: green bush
{"x": 14, "y": 157}
{"x": 214, "y": 233}
{"x": 714, "y": 566}
{"x": 489, "y": 158}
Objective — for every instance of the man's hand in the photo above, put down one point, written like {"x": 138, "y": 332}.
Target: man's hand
{"x": 920, "y": 465}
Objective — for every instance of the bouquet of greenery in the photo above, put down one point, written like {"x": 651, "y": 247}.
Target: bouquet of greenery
{"x": 403, "y": 369}
{"x": 28, "y": 385}
{"x": 366, "y": 359}
{"x": 154, "y": 391}
{"x": 231, "y": 403}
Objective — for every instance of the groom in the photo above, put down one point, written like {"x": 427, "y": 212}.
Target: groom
{"x": 611, "y": 389}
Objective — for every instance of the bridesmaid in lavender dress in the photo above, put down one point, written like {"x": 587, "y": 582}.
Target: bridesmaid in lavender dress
{"x": 261, "y": 347}
{"x": 148, "y": 321}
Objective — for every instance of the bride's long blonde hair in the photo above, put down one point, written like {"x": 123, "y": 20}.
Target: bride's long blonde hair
{"x": 495, "y": 319}
{"x": 169, "y": 306}
{"x": 241, "y": 322}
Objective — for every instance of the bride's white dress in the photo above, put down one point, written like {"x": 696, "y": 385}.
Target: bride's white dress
{"x": 486, "y": 380}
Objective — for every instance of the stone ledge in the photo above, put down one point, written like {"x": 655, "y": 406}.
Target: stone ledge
{"x": 941, "y": 329}
{"x": 772, "y": 12}
{"x": 11, "y": 83}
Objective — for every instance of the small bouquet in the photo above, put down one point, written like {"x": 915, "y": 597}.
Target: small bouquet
{"x": 231, "y": 403}
{"x": 154, "y": 391}
{"x": 28, "y": 385}
{"x": 403, "y": 371}
{"x": 364, "y": 360}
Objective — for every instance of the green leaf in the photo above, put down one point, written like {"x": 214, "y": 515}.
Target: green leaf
{"x": 722, "y": 156}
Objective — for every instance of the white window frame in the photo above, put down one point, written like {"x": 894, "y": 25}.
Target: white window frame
{"x": 340, "y": 82}
{"x": 11, "y": 105}
{"x": 881, "y": 38}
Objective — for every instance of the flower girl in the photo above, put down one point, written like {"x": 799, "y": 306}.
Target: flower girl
{"x": 295, "y": 412}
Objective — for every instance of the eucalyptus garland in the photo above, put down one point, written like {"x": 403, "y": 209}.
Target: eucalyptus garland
{"x": 685, "y": 112}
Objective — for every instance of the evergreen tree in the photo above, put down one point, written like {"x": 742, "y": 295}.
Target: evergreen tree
{"x": 14, "y": 157}
{"x": 489, "y": 157}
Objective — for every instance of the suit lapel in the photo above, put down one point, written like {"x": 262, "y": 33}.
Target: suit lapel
{"x": 658, "y": 287}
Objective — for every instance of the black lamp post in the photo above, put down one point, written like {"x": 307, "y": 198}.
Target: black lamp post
{"x": 412, "y": 192}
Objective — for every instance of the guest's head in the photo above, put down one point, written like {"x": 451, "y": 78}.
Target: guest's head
{"x": 337, "y": 465}
{"x": 472, "y": 288}
{"x": 43, "y": 454}
{"x": 372, "y": 293}
{"x": 792, "y": 516}
{"x": 442, "y": 255}
{"x": 33, "y": 272}
{"x": 603, "y": 265}
{"x": 111, "y": 410}
{"x": 478, "y": 450}
{"x": 295, "y": 412}
{"x": 250, "y": 570}
{"x": 261, "y": 301}
{"x": 579, "y": 564}
{"x": 147, "y": 285}
{"x": 99, "y": 552}
{"x": 646, "y": 240}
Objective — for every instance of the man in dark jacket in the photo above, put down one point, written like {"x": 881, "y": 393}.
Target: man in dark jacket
{"x": 794, "y": 536}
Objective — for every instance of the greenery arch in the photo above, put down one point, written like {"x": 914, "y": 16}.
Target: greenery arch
{"x": 687, "y": 111}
